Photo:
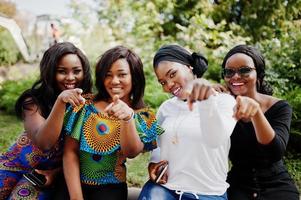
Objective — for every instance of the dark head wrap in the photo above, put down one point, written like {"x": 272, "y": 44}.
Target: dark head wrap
{"x": 176, "y": 53}
{"x": 258, "y": 59}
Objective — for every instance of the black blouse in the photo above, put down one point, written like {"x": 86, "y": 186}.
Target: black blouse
{"x": 245, "y": 150}
{"x": 257, "y": 169}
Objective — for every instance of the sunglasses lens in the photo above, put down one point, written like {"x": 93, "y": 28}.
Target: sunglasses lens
{"x": 244, "y": 71}
{"x": 228, "y": 73}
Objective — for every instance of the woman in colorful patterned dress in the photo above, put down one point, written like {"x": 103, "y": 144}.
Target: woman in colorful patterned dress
{"x": 64, "y": 75}
{"x": 112, "y": 125}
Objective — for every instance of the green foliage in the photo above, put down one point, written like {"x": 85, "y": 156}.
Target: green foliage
{"x": 293, "y": 164}
{"x": 154, "y": 94}
{"x": 9, "y": 53}
{"x": 283, "y": 55}
{"x": 10, "y": 91}
{"x": 260, "y": 19}
{"x": 294, "y": 98}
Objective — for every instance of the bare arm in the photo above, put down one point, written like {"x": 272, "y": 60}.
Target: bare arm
{"x": 248, "y": 108}
{"x": 130, "y": 142}
{"x": 71, "y": 168}
{"x": 45, "y": 132}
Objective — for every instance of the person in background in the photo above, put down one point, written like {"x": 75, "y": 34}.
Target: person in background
{"x": 260, "y": 137}
{"x": 55, "y": 34}
{"x": 196, "y": 141}
{"x": 111, "y": 126}
{"x": 64, "y": 76}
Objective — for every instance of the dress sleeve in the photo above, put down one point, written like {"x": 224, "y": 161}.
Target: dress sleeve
{"x": 148, "y": 128}
{"x": 73, "y": 121}
{"x": 280, "y": 120}
{"x": 217, "y": 121}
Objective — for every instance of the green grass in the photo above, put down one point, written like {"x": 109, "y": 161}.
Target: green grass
{"x": 137, "y": 175}
{"x": 10, "y": 128}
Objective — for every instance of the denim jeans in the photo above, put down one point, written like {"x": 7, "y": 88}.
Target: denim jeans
{"x": 153, "y": 191}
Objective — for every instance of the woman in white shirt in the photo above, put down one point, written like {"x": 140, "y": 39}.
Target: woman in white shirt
{"x": 196, "y": 141}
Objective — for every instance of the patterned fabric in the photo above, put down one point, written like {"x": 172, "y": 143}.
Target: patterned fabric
{"x": 101, "y": 161}
{"x": 26, "y": 191}
{"x": 22, "y": 157}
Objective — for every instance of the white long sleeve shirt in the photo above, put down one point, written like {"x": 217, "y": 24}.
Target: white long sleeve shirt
{"x": 196, "y": 143}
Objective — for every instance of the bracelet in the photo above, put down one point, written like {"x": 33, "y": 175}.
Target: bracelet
{"x": 131, "y": 117}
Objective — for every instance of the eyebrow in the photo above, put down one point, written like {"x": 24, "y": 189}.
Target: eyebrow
{"x": 62, "y": 67}
{"x": 119, "y": 70}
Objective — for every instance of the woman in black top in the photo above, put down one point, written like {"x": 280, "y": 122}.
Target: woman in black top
{"x": 259, "y": 139}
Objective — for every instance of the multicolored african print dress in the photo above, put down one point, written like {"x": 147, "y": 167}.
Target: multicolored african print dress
{"x": 101, "y": 161}
{"x": 22, "y": 157}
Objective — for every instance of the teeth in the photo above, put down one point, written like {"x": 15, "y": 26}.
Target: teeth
{"x": 176, "y": 91}
{"x": 116, "y": 89}
{"x": 69, "y": 86}
{"x": 237, "y": 84}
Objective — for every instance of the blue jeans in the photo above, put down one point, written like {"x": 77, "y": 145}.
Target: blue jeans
{"x": 153, "y": 191}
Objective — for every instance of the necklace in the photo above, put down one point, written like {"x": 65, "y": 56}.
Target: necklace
{"x": 177, "y": 123}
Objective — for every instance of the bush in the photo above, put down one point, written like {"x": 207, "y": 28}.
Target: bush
{"x": 10, "y": 91}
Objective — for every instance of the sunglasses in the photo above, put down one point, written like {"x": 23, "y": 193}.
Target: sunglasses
{"x": 243, "y": 72}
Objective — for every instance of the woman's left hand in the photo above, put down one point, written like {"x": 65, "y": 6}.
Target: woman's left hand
{"x": 49, "y": 175}
{"x": 119, "y": 109}
{"x": 245, "y": 108}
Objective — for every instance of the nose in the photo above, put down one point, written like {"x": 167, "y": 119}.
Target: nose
{"x": 70, "y": 76}
{"x": 236, "y": 76}
{"x": 115, "y": 80}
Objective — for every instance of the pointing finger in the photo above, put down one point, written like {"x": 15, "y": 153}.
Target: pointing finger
{"x": 78, "y": 90}
{"x": 115, "y": 99}
{"x": 108, "y": 107}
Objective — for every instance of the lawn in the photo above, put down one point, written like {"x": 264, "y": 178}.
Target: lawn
{"x": 10, "y": 128}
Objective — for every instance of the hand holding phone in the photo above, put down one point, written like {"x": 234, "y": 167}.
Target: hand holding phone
{"x": 35, "y": 178}
{"x": 161, "y": 173}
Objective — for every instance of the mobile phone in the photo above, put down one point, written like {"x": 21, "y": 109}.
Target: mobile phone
{"x": 161, "y": 173}
{"x": 35, "y": 178}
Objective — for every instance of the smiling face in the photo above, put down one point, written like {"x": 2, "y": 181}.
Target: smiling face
{"x": 241, "y": 84}
{"x": 118, "y": 80}
{"x": 174, "y": 77}
{"x": 69, "y": 72}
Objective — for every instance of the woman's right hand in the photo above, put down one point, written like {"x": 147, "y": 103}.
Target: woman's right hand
{"x": 198, "y": 90}
{"x": 154, "y": 171}
{"x": 72, "y": 96}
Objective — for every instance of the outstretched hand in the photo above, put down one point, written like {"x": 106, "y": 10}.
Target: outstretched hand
{"x": 245, "y": 108}
{"x": 198, "y": 90}
{"x": 72, "y": 96}
{"x": 119, "y": 109}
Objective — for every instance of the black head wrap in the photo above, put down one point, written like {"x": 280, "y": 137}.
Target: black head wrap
{"x": 259, "y": 63}
{"x": 176, "y": 53}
